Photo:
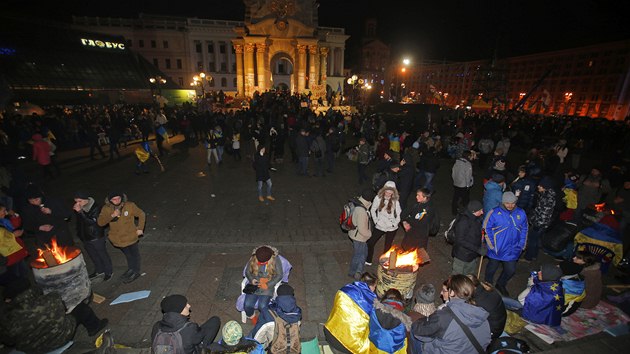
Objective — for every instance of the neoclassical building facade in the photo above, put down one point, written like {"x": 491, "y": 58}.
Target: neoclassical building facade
{"x": 278, "y": 45}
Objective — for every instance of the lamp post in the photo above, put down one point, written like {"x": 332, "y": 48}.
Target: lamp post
{"x": 157, "y": 81}
{"x": 567, "y": 98}
{"x": 399, "y": 77}
{"x": 199, "y": 81}
{"x": 353, "y": 81}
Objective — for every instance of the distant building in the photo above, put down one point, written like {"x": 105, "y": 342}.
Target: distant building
{"x": 589, "y": 81}
{"x": 374, "y": 58}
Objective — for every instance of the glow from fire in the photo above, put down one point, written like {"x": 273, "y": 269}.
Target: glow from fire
{"x": 60, "y": 254}
{"x": 403, "y": 259}
{"x": 600, "y": 207}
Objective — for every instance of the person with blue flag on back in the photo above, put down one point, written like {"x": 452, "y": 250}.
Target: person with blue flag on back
{"x": 543, "y": 301}
{"x": 348, "y": 325}
{"x": 388, "y": 324}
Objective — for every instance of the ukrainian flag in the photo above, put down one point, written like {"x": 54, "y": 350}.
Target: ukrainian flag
{"x": 574, "y": 290}
{"x": 386, "y": 340}
{"x": 349, "y": 320}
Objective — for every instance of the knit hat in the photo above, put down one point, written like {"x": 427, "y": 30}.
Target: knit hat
{"x": 285, "y": 289}
{"x": 425, "y": 294}
{"x": 174, "y": 303}
{"x": 474, "y": 206}
{"x": 508, "y": 197}
{"x": 390, "y": 184}
{"x": 546, "y": 182}
{"x": 263, "y": 254}
{"x": 498, "y": 178}
{"x": 232, "y": 333}
{"x": 368, "y": 194}
{"x": 113, "y": 194}
{"x": 550, "y": 272}
{"x": 81, "y": 195}
{"x": 32, "y": 192}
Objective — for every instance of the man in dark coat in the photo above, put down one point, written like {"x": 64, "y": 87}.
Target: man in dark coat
{"x": 420, "y": 221}
{"x": 176, "y": 315}
{"x": 92, "y": 235}
{"x": 46, "y": 217}
{"x": 405, "y": 181}
{"x": 302, "y": 151}
{"x": 467, "y": 240}
{"x": 262, "y": 166}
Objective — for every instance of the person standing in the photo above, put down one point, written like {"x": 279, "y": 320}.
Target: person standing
{"x": 467, "y": 239}
{"x": 363, "y": 159}
{"x": 385, "y": 212}
{"x": 524, "y": 189}
{"x": 160, "y": 131}
{"x": 505, "y": 230}
{"x": 124, "y": 231}
{"x": 46, "y": 218}
{"x": 176, "y": 317}
{"x": 92, "y": 235}
{"x": 41, "y": 154}
{"x": 542, "y": 217}
{"x": 419, "y": 221}
{"x": 318, "y": 149}
{"x": 302, "y": 151}
{"x": 361, "y": 234}
{"x": 462, "y": 174}
{"x": 262, "y": 167}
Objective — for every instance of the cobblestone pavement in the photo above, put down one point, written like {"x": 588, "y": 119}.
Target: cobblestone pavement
{"x": 203, "y": 221}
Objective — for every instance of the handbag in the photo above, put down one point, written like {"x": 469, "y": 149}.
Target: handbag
{"x": 250, "y": 289}
{"x": 467, "y": 331}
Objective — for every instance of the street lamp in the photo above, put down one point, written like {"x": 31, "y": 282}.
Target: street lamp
{"x": 403, "y": 71}
{"x": 199, "y": 80}
{"x": 354, "y": 81}
{"x": 158, "y": 80}
{"x": 567, "y": 98}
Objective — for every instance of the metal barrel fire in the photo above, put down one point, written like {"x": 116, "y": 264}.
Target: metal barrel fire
{"x": 399, "y": 270}
{"x": 62, "y": 270}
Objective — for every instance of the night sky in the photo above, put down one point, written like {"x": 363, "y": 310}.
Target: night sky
{"x": 439, "y": 30}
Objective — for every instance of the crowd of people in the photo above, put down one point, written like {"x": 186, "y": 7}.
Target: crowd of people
{"x": 534, "y": 189}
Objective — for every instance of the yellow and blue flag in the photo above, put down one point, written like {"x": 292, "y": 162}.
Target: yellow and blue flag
{"x": 384, "y": 340}
{"x": 349, "y": 319}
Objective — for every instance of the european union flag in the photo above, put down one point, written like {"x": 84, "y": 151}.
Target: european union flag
{"x": 544, "y": 303}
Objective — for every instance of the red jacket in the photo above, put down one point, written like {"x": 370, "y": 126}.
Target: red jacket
{"x": 41, "y": 150}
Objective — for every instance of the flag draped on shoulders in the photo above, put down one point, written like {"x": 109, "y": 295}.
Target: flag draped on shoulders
{"x": 544, "y": 303}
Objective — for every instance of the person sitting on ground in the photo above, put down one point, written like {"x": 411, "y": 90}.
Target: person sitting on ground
{"x": 176, "y": 317}
{"x": 442, "y": 332}
{"x": 232, "y": 341}
{"x": 425, "y": 302}
{"x": 284, "y": 310}
{"x": 388, "y": 324}
{"x": 543, "y": 299}
{"x": 592, "y": 278}
{"x": 348, "y": 324}
{"x": 487, "y": 297}
{"x": 36, "y": 323}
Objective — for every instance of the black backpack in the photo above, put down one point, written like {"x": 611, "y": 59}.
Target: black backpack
{"x": 507, "y": 345}
{"x": 379, "y": 179}
{"x": 169, "y": 342}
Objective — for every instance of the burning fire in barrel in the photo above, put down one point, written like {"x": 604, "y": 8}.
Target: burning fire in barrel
{"x": 62, "y": 270}
{"x": 398, "y": 269}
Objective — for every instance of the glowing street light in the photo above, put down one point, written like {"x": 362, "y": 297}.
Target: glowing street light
{"x": 406, "y": 61}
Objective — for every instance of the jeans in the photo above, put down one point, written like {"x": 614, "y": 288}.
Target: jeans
{"x": 97, "y": 251}
{"x": 132, "y": 253}
{"x": 259, "y": 186}
{"x": 509, "y": 268}
{"x": 250, "y": 304}
{"x": 212, "y": 152}
{"x": 360, "y": 250}
{"x": 330, "y": 160}
{"x": 428, "y": 178}
{"x": 512, "y": 304}
{"x": 302, "y": 166}
{"x": 533, "y": 235}
{"x": 220, "y": 152}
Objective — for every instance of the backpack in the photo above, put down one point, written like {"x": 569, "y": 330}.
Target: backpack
{"x": 168, "y": 342}
{"x": 449, "y": 234}
{"x": 379, "y": 179}
{"x": 507, "y": 345}
{"x": 345, "y": 219}
{"x": 286, "y": 336}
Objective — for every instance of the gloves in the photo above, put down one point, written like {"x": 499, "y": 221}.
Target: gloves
{"x": 482, "y": 251}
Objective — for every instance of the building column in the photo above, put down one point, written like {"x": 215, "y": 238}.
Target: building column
{"x": 312, "y": 60}
{"x": 341, "y": 67}
{"x": 249, "y": 69}
{"x": 240, "y": 87}
{"x": 301, "y": 68}
{"x": 261, "y": 49}
{"x": 323, "y": 65}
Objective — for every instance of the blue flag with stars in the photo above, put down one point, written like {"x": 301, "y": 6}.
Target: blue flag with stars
{"x": 544, "y": 303}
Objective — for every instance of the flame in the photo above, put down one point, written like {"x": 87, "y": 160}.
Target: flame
{"x": 61, "y": 254}
{"x": 599, "y": 207}
{"x": 409, "y": 258}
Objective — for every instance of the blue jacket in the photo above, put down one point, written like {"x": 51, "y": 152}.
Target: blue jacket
{"x": 527, "y": 188}
{"x": 492, "y": 196}
{"x": 505, "y": 233}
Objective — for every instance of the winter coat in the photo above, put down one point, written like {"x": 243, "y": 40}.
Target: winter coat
{"x": 285, "y": 306}
{"x": 492, "y": 302}
{"x": 492, "y": 196}
{"x": 429, "y": 162}
{"x": 462, "y": 173}
{"x": 192, "y": 335}
{"x": 318, "y": 145}
{"x": 423, "y": 220}
{"x": 593, "y": 283}
{"x": 122, "y": 230}
{"x": 301, "y": 147}
{"x": 87, "y": 227}
{"x": 506, "y": 233}
{"x": 467, "y": 240}
{"x": 388, "y": 329}
{"x": 361, "y": 219}
{"x": 262, "y": 273}
{"x": 383, "y": 220}
{"x": 36, "y": 323}
{"x": 439, "y": 332}
{"x": 590, "y": 190}
{"x": 262, "y": 166}
{"x": 543, "y": 211}
{"x": 41, "y": 151}
{"x": 363, "y": 156}
{"x": 526, "y": 188}
{"x": 33, "y": 218}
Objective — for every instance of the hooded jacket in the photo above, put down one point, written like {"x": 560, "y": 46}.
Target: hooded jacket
{"x": 467, "y": 240}
{"x": 192, "y": 335}
{"x": 388, "y": 329}
{"x": 87, "y": 227}
{"x": 543, "y": 211}
{"x": 122, "y": 230}
{"x": 440, "y": 333}
{"x": 526, "y": 188}
{"x": 492, "y": 196}
{"x": 491, "y": 301}
{"x": 506, "y": 233}
{"x": 462, "y": 173}
{"x": 361, "y": 218}
{"x": 384, "y": 220}
{"x": 41, "y": 150}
